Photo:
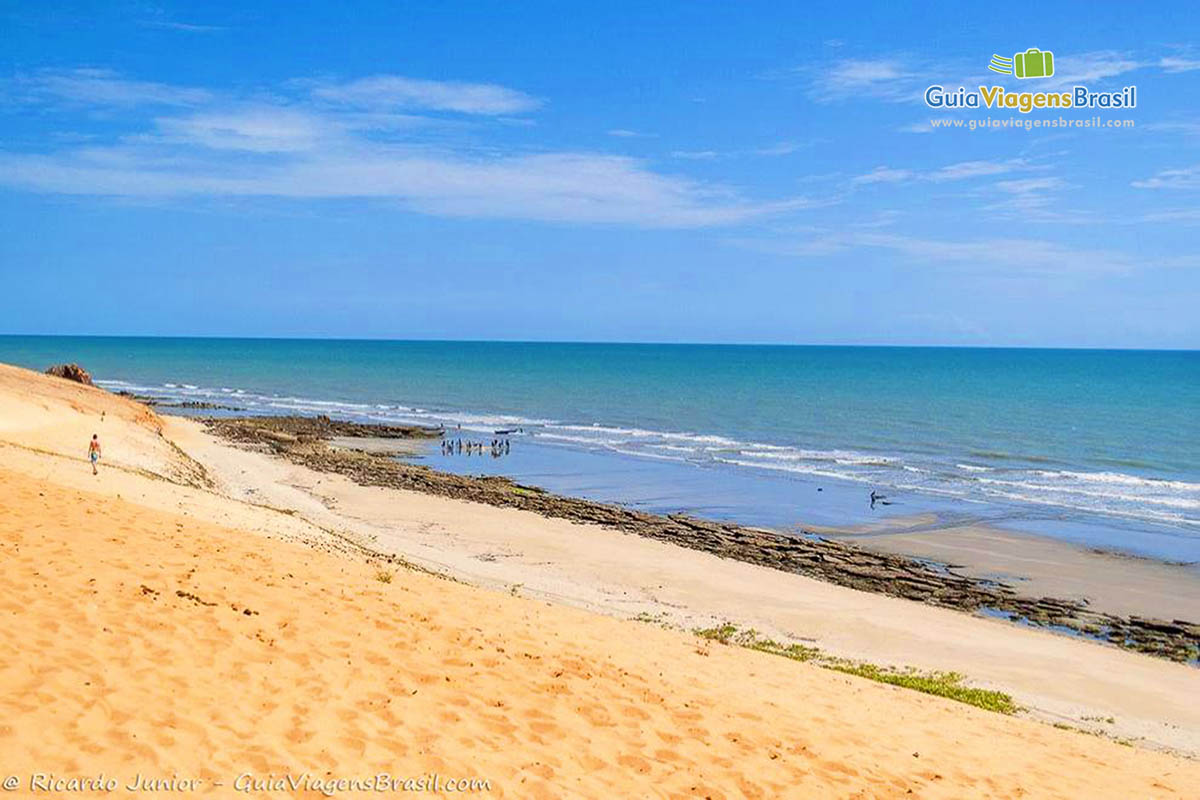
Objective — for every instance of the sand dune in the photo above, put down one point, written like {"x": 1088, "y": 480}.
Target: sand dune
{"x": 174, "y": 633}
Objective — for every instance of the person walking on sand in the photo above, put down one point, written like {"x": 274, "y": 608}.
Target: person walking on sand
{"x": 94, "y": 452}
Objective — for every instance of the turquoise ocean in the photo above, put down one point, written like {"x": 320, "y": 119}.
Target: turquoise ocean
{"x": 1093, "y": 446}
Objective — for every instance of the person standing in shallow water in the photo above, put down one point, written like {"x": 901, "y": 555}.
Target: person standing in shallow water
{"x": 94, "y": 452}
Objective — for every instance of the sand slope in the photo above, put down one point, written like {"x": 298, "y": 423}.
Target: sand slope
{"x": 128, "y": 648}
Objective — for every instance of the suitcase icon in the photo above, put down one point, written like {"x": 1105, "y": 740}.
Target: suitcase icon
{"x": 1033, "y": 63}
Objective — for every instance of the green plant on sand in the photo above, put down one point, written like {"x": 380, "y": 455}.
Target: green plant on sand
{"x": 943, "y": 684}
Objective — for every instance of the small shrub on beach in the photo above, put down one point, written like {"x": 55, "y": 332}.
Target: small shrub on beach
{"x": 383, "y": 576}
{"x": 942, "y": 684}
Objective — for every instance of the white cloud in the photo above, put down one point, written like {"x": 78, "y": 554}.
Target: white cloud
{"x": 953, "y": 172}
{"x": 188, "y": 27}
{"x": 1092, "y": 67}
{"x": 625, "y": 133}
{"x": 1184, "y": 215}
{"x": 395, "y": 91}
{"x": 308, "y": 152}
{"x": 339, "y": 141}
{"x": 975, "y": 169}
{"x": 1187, "y": 128}
{"x": 576, "y": 187}
{"x": 264, "y": 129}
{"x": 101, "y": 87}
{"x": 883, "y": 175}
{"x": 1029, "y": 185}
{"x": 1183, "y": 178}
{"x": 1031, "y": 199}
{"x": 780, "y": 149}
{"x": 890, "y": 79}
{"x": 1035, "y": 257}
{"x": 695, "y": 155}
{"x": 1178, "y": 64}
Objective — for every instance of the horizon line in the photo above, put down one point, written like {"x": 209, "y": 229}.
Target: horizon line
{"x": 1099, "y": 348}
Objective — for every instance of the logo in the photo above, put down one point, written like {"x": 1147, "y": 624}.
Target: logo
{"x": 1033, "y": 63}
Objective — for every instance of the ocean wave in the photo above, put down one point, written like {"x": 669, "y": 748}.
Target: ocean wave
{"x": 1121, "y": 479}
{"x": 1002, "y": 477}
{"x": 799, "y": 468}
{"x": 643, "y": 433}
{"x": 836, "y": 456}
{"x": 1172, "y": 502}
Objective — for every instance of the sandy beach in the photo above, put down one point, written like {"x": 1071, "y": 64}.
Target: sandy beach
{"x": 201, "y": 612}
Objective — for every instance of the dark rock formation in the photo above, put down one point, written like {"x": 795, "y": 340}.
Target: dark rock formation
{"x": 310, "y": 429}
{"x": 72, "y": 372}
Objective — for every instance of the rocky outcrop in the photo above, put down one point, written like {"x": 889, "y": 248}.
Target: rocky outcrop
{"x": 301, "y": 440}
{"x": 311, "y": 429}
{"x": 72, "y": 372}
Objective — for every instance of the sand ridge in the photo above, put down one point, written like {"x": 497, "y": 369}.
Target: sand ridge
{"x": 145, "y": 641}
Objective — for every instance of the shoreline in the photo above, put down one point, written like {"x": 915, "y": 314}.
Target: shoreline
{"x": 1115, "y": 581}
{"x": 560, "y": 443}
{"x": 304, "y": 441}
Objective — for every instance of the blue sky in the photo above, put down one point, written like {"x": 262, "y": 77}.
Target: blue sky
{"x": 750, "y": 172}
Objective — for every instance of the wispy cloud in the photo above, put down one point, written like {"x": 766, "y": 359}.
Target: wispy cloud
{"x": 781, "y": 148}
{"x": 576, "y": 187}
{"x": 1183, "y": 178}
{"x": 924, "y": 126}
{"x": 695, "y": 155}
{"x": 1033, "y": 257}
{"x": 396, "y": 91}
{"x": 1184, "y": 127}
{"x": 1032, "y": 199}
{"x": 883, "y": 175}
{"x": 891, "y": 79}
{"x": 1187, "y": 216}
{"x": 1089, "y": 68}
{"x": 157, "y": 17}
{"x": 102, "y": 87}
{"x": 188, "y": 27}
{"x": 333, "y": 147}
{"x": 1179, "y": 64}
{"x": 261, "y": 129}
{"x": 626, "y": 133}
{"x": 962, "y": 170}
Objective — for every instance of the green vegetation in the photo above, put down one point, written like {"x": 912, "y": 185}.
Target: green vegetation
{"x": 383, "y": 576}
{"x": 659, "y": 619}
{"x": 942, "y": 684}
{"x": 1109, "y": 720}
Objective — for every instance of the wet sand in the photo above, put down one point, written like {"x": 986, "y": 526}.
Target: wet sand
{"x": 1038, "y": 565}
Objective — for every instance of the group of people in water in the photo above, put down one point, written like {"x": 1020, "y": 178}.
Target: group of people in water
{"x": 457, "y": 447}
